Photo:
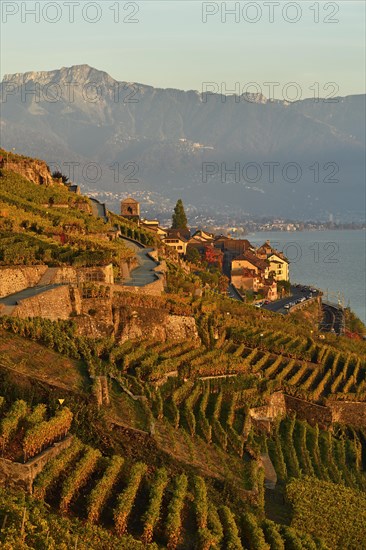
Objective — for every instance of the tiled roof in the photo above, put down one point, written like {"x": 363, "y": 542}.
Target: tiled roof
{"x": 252, "y": 258}
{"x": 175, "y": 234}
{"x": 130, "y": 200}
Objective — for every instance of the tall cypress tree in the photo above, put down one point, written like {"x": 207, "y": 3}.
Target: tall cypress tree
{"x": 179, "y": 217}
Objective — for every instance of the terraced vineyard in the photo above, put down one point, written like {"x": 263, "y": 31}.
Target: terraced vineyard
{"x": 151, "y": 506}
{"x": 269, "y": 355}
{"x": 298, "y": 449}
{"x": 338, "y": 374}
{"x": 188, "y": 444}
{"x": 212, "y": 410}
{"x": 26, "y": 431}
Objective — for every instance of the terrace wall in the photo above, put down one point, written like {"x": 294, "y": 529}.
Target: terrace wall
{"x": 312, "y": 413}
{"x": 53, "y": 304}
{"x": 348, "y": 412}
{"x": 15, "y": 279}
{"x": 21, "y": 476}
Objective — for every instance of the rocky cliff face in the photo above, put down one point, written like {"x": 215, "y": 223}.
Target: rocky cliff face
{"x": 156, "y": 324}
{"x": 35, "y": 171}
{"x": 108, "y": 316}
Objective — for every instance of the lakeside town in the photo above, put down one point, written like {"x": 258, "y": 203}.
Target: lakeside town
{"x": 256, "y": 274}
{"x": 223, "y": 221}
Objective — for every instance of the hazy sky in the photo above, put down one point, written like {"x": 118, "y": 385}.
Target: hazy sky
{"x": 169, "y": 45}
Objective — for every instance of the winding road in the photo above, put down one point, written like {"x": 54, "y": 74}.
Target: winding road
{"x": 144, "y": 273}
{"x": 279, "y": 305}
{"x": 296, "y": 293}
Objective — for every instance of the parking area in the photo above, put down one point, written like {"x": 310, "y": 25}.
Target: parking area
{"x": 299, "y": 294}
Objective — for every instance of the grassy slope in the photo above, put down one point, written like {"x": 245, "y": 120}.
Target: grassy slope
{"x": 35, "y": 361}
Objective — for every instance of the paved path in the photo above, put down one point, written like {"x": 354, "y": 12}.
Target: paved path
{"x": 234, "y": 293}
{"x": 270, "y": 476}
{"x": 143, "y": 274}
{"x": 13, "y": 299}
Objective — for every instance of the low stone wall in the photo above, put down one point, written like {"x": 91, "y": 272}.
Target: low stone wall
{"x": 157, "y": 324}
{"x": 348, "y": 412}
{"x": 312, "y": 413}
{"x": 275, "y": 408}
{"x": 305, "y": 304}
{"x": 69, "y": 274}
{"x": 155, "y": 288}
{"x": 53, "y": 304}
{"x": 352, "y": 413}
{"x": 15, "y": 279}
{"x": 16, "y": 475}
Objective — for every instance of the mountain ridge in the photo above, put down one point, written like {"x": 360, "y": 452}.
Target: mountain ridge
{"x": 171, "y": 133}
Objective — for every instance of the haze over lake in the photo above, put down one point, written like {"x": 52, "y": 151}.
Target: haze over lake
{"x": 329, "y": 260}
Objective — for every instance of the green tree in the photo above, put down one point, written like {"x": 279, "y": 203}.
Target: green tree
{"x": 193, "y": 256}
{"x": 60, "y": 176}
{"x": 179, "y": 217}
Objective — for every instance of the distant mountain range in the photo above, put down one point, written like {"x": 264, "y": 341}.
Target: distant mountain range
{"x": 162, "y": 140}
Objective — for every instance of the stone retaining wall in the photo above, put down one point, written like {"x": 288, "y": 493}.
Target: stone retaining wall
{"x": 15, "y": 279}
{"x": 53, "y": 304}
{"x": 156, "y": 288}
{"x": 312, "y": 413}
{"x": 21, "y": 476}
{"x": 69, "y": 274}
{"x": 348, "y": 412}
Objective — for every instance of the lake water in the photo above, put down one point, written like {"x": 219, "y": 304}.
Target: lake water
{"x": 333, "y": 261}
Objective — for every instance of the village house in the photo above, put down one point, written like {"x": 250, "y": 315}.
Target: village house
{"x": 264, "y": 250}
{"x": 268, "y": 289}
{"x": 153, "y": 225}
{"x": 203, "y": 236}
{"x": 206, "y": 249}
{"x": 149, "y": 223}
{"x": 278, "y": 263}
{"x": 176, "y": 240}
{"x": 198, "y": 244}
{"x": 245, "y": 279}
{"x": 234, "y": 247}
{"x": 251, "y": 262}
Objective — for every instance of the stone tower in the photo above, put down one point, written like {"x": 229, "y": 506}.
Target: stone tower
{"x": 130, "y": 209}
